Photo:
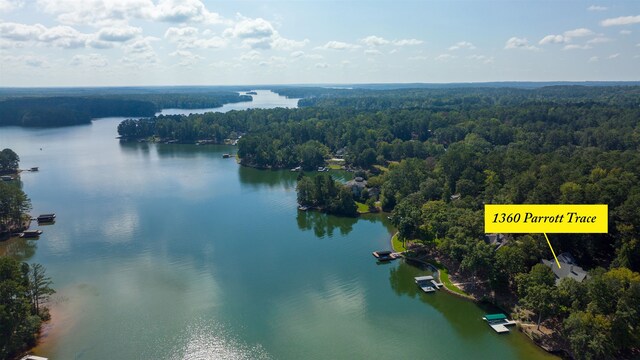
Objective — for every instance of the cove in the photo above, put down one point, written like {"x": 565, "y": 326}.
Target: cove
{"x": 167, "y": 251}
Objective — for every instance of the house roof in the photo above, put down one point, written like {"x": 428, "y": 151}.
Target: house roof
{"x": 566, "y": 270}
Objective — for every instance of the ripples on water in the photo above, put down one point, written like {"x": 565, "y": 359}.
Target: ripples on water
{"x": 204, "y": 341}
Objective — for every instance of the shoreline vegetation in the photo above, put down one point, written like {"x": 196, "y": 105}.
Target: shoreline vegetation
{"x": 434, "y": 157}
{"x": 25, "y": 287}
{"x": 39, "y": 110}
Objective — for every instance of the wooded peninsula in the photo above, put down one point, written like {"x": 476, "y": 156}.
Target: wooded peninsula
{"x": 434, "y": 157}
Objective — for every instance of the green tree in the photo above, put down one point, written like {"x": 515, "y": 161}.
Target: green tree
{"x": 39, "y": 287}
{"x": 589, "y": 336}
{"x": 9, "y": 161}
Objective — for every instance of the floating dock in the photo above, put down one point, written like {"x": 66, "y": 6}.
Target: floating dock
{"x": 45, "y": 218}
{"x": 427, "y": 283}
{"x": 385, "y": 255}
{"x": 498, "y": 322}
{"x": 31, "y": 233}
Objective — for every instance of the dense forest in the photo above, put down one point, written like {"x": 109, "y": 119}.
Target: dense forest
{"x": 14, "y": 203}
{"x": 438, "y": 155}
{"x": 24, "y": 288}
{"x": 24, "y": 291}
{"x": 74, "y": 110}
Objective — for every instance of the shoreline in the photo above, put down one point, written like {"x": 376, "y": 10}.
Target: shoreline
{"x": 519, "y": 324}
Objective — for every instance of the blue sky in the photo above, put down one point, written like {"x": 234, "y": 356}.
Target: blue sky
{"x": 194, "y": 42}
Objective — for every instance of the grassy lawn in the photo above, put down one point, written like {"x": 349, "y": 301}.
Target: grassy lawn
{"x": 334, "y": 166}
{"x": 397, "y": 244}
{"x": 381, "y": 168}
{"x": 362, "y": 208}
{"x": 444, "y": 278}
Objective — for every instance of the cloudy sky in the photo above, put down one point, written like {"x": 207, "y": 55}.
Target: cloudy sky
{"x": 202, "y": 42}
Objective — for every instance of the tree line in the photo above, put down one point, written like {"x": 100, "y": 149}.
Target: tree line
{"x": 25, "y": 290}
{"x": 73, "y": 110}
{"x": 438, "y": 155}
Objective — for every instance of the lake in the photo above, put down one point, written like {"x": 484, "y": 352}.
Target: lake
{"x": 166, "y": 251}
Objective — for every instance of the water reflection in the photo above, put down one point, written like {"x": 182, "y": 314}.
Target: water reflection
{"x": 18, "y": 248}
{"x": 465, "y": 320}
{"x": 258, "y": 179}
{"x": 324, "y": 225}
{"x": 134, "y": 147}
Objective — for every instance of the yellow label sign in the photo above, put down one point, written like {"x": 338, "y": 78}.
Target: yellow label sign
{"x": 534, "y": 218}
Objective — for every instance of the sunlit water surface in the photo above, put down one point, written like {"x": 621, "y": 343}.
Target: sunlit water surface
{"x": 172, "y": 252}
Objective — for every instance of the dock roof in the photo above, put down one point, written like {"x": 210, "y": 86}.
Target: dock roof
{"x": 495, "y": 317}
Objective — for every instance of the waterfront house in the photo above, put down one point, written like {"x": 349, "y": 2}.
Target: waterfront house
{"x": 568, "y": 268}
{"x": 357, "y": 185}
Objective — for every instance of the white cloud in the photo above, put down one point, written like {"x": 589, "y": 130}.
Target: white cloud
{"x": 622, "y": 20}
{"x": 597, "y": 8}
{"x": 260, "y": 34}
{"x": 187, "y": 58}
{"x": 119, "y": 34}
{"x": 519, "y": 43}
{"x": 599, "y": 40}
{"x": 593, "y": 59}
{"x": 339, "y": 45}
{"x": 248, "y": 28}
{"x": 58, "y": 36}
{"x": 183, "y": 11}
{"x": 552, "y": 39}
{"x": 566, "y": 37}
{"x": 445, "y": 57}
{"x": 281, "y": 43}
{"x": 181, "y": 33}
{"x": 418, "y": 57}
{"x": 9, "y": 5}
{"x": 109, "y": 12}
{"x": 407, "y": 42}
{"x": 613, "y": 56}
{"x": 188, "y": 38}
{"x": 322, "y": 65}
{"x": 29, "y": 60}
{"x": 484, "y": 59}
{"x": 374, "y": 41}
{"x": 372, "y": 52}
{"x": 576, "y": 47}
{"x": 578, "y": 33}
{"x": 296, "y": 54}
{"x": 21, "y": 32}
{"x": 462, "y": 45}
{"x": 625, "y": 32}
{"x": 252, "y": 55}
{"x": 90, "y": 60}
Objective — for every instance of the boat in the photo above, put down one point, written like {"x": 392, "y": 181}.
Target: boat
{"x": 6, "y": 178}
{"x": 226, "y": 156}
{"x": 44, "y": 218}
{"x": 303, "y": 208}
{"x": 31, "y": 233}
{"x": 296, "y": 169}
{"x": 384, "y": 255}
{"x": 35, "y": 168}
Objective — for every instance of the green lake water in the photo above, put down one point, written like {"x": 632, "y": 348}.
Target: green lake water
{"x": 172, "y": 252}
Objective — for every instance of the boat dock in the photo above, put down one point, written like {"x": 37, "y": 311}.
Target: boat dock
{"x": 31, "y": 233}
{"x": 385, "y": 255}
{"x": 498, "y": 322}
{"x": 46, "y": 218}
{"x": 428, "y": 283}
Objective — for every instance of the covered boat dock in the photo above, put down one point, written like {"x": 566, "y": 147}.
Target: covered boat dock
{"x": 498, "y": 322}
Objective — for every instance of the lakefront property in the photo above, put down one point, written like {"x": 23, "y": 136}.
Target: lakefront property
{"x": 199, "y": 179}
